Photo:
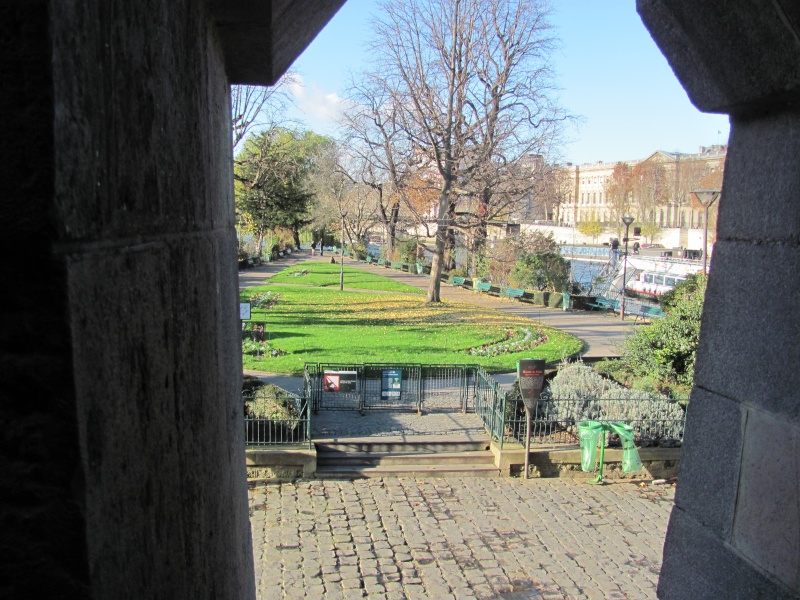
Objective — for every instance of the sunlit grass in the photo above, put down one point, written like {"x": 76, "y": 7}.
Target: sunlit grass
{"x": 324, "y": 274}
{"x": 324, "y": 325}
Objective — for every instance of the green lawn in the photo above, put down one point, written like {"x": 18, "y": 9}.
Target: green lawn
{"x": 305, "y": 324}
{"x": 319, "y": 274}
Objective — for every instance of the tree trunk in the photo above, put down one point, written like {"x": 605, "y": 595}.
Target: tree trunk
{"x": 436, "y": 267}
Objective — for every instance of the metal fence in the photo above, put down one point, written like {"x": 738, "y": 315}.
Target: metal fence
{"x": 490, "y": 405}
{"x": 408, "y": 387}
{"x": 276, "y": 419}
{"x": 655, "y": 421}
{"x": 284, "y": 418}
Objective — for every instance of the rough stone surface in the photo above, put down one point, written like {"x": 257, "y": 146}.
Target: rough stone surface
{"x": 127, "y": 454}
{"x": 735, "y": 57}
{"x": 760, "y": 176}
{"x": 709, "y": 473}
{"x": 770, "y": 486}
{"x": 743, "y": 354}
{"x": 707, "y": 568}
{"x": 458, "y": 538}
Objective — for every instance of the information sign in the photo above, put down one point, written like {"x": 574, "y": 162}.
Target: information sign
{"x": 391, "y": 383}
{"x": 340, "y": 381}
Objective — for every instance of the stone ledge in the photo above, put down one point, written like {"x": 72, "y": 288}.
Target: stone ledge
{"x": 280, "y": 463}
{"x": 659, "y": 463}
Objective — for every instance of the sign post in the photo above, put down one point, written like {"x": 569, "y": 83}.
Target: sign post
{"x": 530, "y": 374}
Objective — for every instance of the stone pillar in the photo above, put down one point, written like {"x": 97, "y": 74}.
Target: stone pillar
{"x": 735, "y": 528}
{"x": 121, "y": 442}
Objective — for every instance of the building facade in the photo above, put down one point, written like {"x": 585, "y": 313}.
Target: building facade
{"x": 662, "y": 188}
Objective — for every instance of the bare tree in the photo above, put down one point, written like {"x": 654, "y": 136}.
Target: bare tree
{"x": 650, "y": 190}
{"x": 259, "y": 106}
{"x": 376, "y": 138}
{"x": 337, "y": 192}
{"x": 619, "y": 194}
{"x": 470, "y": 82}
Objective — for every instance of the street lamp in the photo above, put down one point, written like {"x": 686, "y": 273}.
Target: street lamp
{"x": 341, "y": 266}
{"x": 627, "y": 221}
{"x": 706, "y": 198}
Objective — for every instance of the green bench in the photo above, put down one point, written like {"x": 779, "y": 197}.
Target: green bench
{"x": 381, "y": 262}
{"x": 603, "y": 304}
{"x": 397, "y": 265}
{"x": 369, "y": 258}
{"x": 510, "y": 292}
{"x": 646, "y": 312}
{"x": 457, "y": 281}
{"x": 487, "y": 288}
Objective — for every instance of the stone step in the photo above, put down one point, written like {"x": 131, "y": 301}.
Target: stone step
{"x": 373, "y": 459}
{"x": 421, "y": 444}
{"x": 418, "y": 470}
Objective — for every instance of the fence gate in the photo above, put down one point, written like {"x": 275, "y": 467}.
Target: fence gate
{"x": 436, "y": 388}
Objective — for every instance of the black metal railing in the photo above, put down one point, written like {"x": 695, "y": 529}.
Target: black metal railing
{"x": 276, "y": 418}
{"x": 409, "y": 387}
{"x": 655, "y": 421}
{"x": 490, "y": 405}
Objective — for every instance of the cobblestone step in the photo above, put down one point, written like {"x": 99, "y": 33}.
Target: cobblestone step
{"x": 374, "y": 459}
{"x": 406, "y": 445}
{"x": 396, "y": 457}
{"x": 415, "y": 470}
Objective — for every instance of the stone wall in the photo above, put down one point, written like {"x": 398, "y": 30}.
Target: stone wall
{"x": 126, "y": 452}
{"x": 735, "y": 528}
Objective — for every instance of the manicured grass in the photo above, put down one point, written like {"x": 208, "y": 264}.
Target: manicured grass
{"x": 324, "y": 325}
{"x": 319, "y": 274}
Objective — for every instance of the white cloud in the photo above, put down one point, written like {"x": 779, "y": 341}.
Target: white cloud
{"x": 319, "y": 109}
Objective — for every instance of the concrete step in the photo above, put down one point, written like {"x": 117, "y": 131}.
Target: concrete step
{"x": 419, "y": 470}
{"x": 374, "y": 459}
{"x": 421, "y": 444}
{"x": 354, "y": 458}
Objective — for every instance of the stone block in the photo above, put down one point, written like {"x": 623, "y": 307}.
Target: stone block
{"x": 735, "y": 57}
{"x": 698, "y": 565}
{"x": 762, "y": 181}
{"x": 767, "y": 522}
{"x": 709, "y": 473}
{"x": 748, "y": 340}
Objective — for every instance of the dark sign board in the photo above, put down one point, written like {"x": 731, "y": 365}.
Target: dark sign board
{"x": 391, "y": 383}
{"x": 340, "y": 381}
{"x": 530, "y": 372}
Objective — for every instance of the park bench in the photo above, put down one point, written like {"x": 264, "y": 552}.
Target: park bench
{"x": 510, "y": 292}
{"x": 486, "y": 288}
{"x": 457, "y": 281}
{"x": 397, "y": 265}
{"x": 603, "y": 304}
{"x": 641, "y": 311}
{"x": 369, "y": 259}
{"x": 381, "y": 262}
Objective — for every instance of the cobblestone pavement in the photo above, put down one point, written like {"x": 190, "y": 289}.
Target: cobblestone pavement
{"x": 457, "y": 538}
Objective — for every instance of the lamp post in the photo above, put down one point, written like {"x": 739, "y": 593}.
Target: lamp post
{"x": 341, "y": 266}
{"x": 706, "y": 198}
{"x": 627, "y": 221}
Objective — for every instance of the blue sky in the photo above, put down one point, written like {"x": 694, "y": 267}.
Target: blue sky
{"x": 609, "y": 71}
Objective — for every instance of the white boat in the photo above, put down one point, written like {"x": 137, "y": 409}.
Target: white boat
{"x": 654, "y": 276}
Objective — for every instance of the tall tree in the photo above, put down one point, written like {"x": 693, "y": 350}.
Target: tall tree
{"x": 650, "y": 189}
{"x": 272, "y": 187}
{"x": 619, "y": 193}
{"x": 470, "y": 82}
{"x": 374, "y": 134}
